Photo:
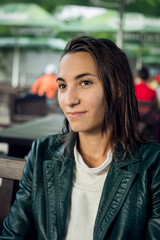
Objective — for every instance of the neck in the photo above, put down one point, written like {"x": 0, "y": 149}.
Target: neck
{"x": 93, "y": 148}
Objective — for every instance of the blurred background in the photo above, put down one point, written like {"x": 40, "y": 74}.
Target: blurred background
{"x": 33, "y": 34}
{"x": 32, "y": 37}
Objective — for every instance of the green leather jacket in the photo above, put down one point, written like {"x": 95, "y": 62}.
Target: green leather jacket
{"x": 129, "y": 208}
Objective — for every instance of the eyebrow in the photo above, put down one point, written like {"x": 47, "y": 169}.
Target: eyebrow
{"x": 79, "y": 76}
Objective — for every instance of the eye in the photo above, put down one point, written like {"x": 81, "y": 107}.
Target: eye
{"x": 86, "y": 82}
{"x": 62, "y": 86}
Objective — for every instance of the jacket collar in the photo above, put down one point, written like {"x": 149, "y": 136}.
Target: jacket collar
{"x": 129, "y": 158}
{"x": 63, "y": 147}
{"x": 116, "y": 187}
{"x": 58, "y": 175}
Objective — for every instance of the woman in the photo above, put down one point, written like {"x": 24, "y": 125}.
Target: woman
{"x": 99, "y": 179}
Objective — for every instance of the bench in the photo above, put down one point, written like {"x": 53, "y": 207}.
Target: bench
{"x": 11, "y": 170}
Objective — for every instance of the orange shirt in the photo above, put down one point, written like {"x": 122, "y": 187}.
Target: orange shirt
{"x": 46, "y": 84}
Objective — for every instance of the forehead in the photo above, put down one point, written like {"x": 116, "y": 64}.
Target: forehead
{"x": 78, "y": 61}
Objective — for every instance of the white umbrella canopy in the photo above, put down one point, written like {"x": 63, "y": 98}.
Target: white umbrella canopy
{"x": 109, "y": 22}
{"x": 54, "y": 43}
{"x": 148, "y": 7}
{"x": 146, "y": 54}
{"x": 24, "y": 25}
{"x": 19, "y": 18}
{"x": 140, "y": 32}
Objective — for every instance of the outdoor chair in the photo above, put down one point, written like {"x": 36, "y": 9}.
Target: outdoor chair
{"x": 26, "y": 107}
{"x": 149, "y": 119}
{"x": 11, "y": 170}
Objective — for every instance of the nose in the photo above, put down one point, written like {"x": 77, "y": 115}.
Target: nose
{"x": 72, "y": 97}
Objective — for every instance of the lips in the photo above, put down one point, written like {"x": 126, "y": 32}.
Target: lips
{"x": 75, "y": 114}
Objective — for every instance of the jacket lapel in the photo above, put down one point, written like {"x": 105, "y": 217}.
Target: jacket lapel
{"x": 58, "y": 175}
{"x": 116, "y": 187}
{"x": 58, "y": 185}
{"x": 49, "y": 169}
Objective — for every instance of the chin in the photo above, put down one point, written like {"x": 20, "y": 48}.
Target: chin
{"x": 77, "y": 129}
{"x": 83, "y": 129}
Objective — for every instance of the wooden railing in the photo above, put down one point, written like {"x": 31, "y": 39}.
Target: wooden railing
{"x": 11, "y": 170}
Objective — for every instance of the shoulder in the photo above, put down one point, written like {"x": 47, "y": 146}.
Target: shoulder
{"x": 140, "y": 84}
{"x": 54, "y": 145}
{"x": 42, "y": 148}
{"x": 49, "y": 143}
{"x": 150, "y": 153}
{"x": 150, "y": 147}
{"x": 45, "y": 148}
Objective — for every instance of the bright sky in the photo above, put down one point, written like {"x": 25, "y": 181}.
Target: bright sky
{"x": 72, "y": 11}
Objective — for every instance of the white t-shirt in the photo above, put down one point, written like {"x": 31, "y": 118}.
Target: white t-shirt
{"x": 86, "y": 193}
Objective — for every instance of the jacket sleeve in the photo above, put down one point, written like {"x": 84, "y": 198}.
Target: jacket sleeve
{"x": 153, "y": 228}
{"x": 19, "y": 223}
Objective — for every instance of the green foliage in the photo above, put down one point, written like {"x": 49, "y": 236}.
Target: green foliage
{"x": 150, "y": 7}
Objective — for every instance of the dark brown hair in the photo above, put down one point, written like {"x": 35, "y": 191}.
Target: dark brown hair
{"x": 121, "y": 110}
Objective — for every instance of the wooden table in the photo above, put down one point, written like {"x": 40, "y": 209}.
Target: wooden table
{"x": 21, "y": 136}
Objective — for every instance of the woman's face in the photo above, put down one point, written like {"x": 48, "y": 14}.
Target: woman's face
{"x": 80, "y": 93}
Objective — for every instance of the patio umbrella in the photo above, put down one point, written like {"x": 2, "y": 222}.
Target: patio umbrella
{"x": 137, "y": 29}
{"x": 54, "y": 43}
{"x": 31, "y": 19}
{"x": 17, "y": 20}
{"x": 109, "y": 22}
{"x": 148, "y": 7}
{"x": 146, "y": 54}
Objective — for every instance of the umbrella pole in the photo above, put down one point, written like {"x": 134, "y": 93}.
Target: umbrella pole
{"x": 119, "y": 37}
{"x": 139, "y": 55}
{"x": 15, "y": 67}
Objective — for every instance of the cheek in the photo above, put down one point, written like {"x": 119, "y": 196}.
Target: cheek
{"x": 61, "y": 101}
{"x": 98, "y": 102}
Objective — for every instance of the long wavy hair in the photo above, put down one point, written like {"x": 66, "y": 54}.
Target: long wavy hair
{"x": 121, "y": 108}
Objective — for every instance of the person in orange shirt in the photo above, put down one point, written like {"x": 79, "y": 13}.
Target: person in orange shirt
{"x": 46, "y": 84}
